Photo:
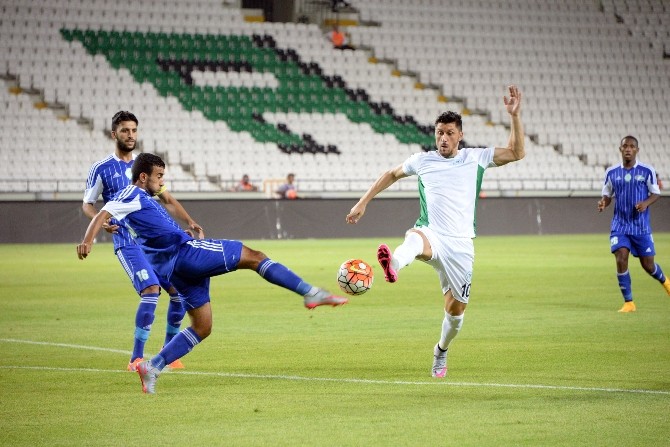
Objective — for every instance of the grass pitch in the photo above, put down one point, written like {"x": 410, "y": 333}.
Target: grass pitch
{"x": 543, "y": 357}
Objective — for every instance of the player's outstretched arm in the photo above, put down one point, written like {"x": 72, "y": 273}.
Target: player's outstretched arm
{"x": 92, "y": 231}
{"x": 515, "y": 149}
{"x": 383, "y": 182}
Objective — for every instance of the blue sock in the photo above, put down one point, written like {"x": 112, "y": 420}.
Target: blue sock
{"x": 278, "y": 274}
{"x": 658, "y": 274}
{"x": 180, "y": 345}
{"x": 625, "y": 286}
{"x": 144, "y": 318}
{"x": 175, "y": 315}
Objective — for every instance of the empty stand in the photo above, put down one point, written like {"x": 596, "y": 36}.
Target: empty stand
{"x": 219, "y": 97}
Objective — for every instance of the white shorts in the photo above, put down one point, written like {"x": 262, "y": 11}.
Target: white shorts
{"x": 453, "y": 258}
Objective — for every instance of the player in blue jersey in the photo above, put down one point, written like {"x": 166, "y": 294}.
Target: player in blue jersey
{"x": 107, "y": 177}
{"x": 634, "y": 186}
{"x": 186, "y": 262}
{"x": 449, "y": 183}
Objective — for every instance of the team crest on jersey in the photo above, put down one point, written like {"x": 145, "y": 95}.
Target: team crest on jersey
{"x": 627, "y": 177}
{"x": 129, "y": 173}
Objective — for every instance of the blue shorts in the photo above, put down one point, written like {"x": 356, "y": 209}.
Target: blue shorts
{"x": 197, "y": 262}
{"x": 139, "y": 270}
{"x": 639, "y": 246}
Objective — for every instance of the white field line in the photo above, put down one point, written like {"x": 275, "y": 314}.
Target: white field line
{"x": 320, "y": 379}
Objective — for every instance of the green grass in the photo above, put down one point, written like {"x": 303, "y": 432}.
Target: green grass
{"x": 543, "y": 357}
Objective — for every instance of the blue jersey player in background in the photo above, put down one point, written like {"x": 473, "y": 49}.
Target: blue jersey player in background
{"x": 107, "y": 177}
{"x": 635, "y": 188}
{"x": 186, "y": 262}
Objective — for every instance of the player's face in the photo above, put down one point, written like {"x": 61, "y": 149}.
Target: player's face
{"x": 628, "y": 149}
{"x": 154, "y": 182}
{"x": 447, "y": 137}
{"x": 125, "y": 136}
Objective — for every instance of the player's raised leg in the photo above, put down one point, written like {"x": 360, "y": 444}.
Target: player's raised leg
{"x": 402, "y": 256}
{"x": 280, "y": 275}
{"x": 385, "y": 260}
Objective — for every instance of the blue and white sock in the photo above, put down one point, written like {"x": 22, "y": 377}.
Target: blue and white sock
{"x": 175, "y": 315}
{"x": 625, "y": 285}
{"x": 144, "y": 318}
{"x": 280, "y": 275}
{"x": 181, "y": 344}
{"x": 658, "y": 274}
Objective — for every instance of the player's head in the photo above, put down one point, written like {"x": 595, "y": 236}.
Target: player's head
{"x": 148, "y": 170}
{"x": 450, "y": 117}
{"x": 629, "y": 147}
{"x": 632, "y": 140}
{"x": 448, "y": 134}
{"x": 124, "y": 130}
{"x": 290, "y": 178}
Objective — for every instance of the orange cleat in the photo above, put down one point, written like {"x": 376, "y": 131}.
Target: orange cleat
{"x": 177, "y": 364}
{"x": 132, "y": 366}
{"x": 666, "y": 285}
{"x": 628, "y": 306}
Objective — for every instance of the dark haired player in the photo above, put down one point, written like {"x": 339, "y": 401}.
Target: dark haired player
{"x": 107, "y": 177}
{"x": 635, "y": 188}
{"x": 449, "y": 183}
{"x": 186, "y": 262}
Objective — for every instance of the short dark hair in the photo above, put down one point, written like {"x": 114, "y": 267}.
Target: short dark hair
{"x": 144, "y": 163}
{"x": 450, "y": 117}
{"x": 121, "y": 116}
{"x": 632, "y": 138}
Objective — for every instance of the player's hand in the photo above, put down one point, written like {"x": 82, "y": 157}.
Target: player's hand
{"x": 641, "y": 207}
{"x": 601, "y": 205}
{"x": 196, "y": 231}
{"x": 110, "y": 228}
{"x": 355, "y": 214}
{"x": 513, "y": 103}
{"x": 83, "y": 250}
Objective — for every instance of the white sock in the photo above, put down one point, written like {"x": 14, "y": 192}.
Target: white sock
{"x": 411, "y": 247}
{"x": 450, "y": 327}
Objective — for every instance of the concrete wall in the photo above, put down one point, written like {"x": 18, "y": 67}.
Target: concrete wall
{"x": 63, "y": 221}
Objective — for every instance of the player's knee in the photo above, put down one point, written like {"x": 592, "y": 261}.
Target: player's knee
{"x": 251, "y": 258}
{"x": 151, "y": 289}
{"x": 203, "y": 329}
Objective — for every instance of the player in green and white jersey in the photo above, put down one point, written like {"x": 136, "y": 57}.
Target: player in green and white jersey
{"x": 449, "y": 183}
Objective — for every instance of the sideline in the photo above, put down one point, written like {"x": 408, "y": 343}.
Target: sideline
{"x": 318, "y": 379}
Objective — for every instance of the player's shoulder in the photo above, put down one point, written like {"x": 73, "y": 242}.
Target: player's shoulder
{"x": 475, "y": 149}
{"x": 612, "y": 168}
{"x": 127, "y": 193}
{"x": 646, "y": 166}
{"x": 103, "y": 162}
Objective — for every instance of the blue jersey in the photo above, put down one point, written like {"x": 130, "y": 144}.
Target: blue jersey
{"x": 107, "y": 177}
{"x": 629, "y": 187}
{"x": 150, "y": 225}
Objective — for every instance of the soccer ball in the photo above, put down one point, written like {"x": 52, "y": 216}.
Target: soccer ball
{"x": 355, "y": 277}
